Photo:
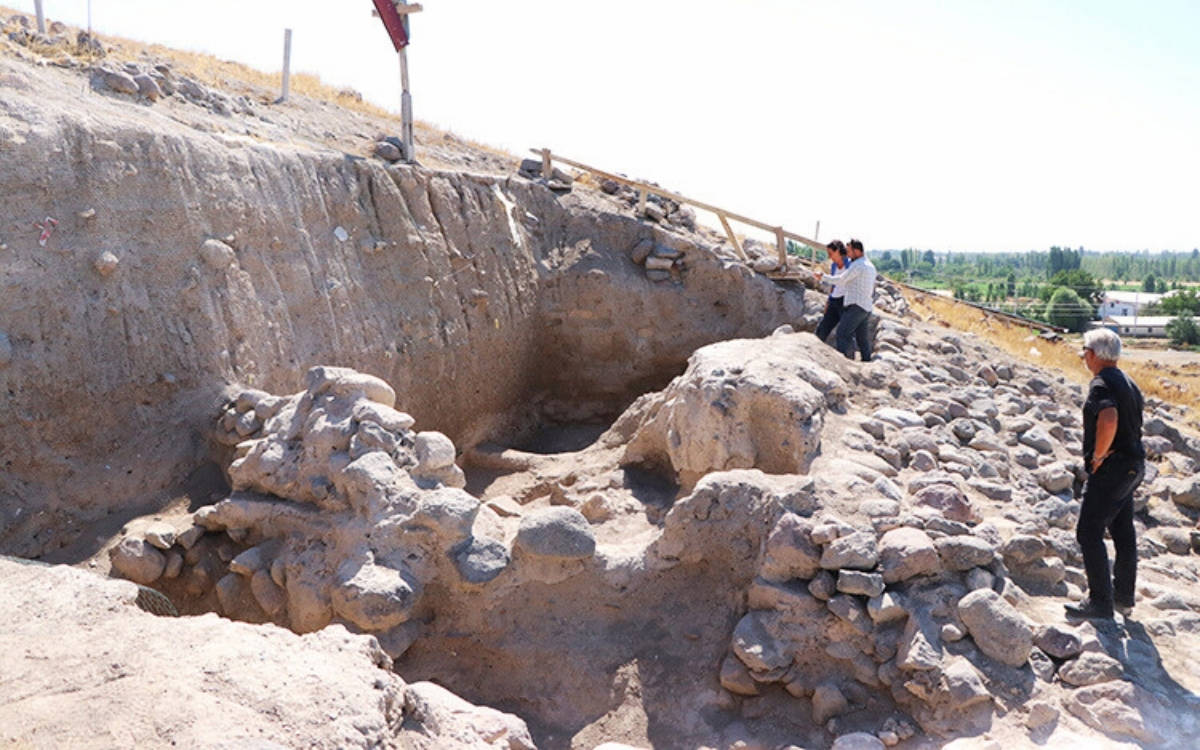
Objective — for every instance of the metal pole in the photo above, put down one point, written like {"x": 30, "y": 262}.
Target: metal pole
{"x": 41, "y": 17}
{"x": 406, "y": 114}
{"x": 89, "y": 19}
{"x": 287, "y": 64}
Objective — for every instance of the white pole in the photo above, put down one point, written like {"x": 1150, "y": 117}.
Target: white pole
{"x": 287, "y": 64}
{"x": 41, "y": 17}
{"x": 89, "y": 18}
{"x": 406, "y": 114}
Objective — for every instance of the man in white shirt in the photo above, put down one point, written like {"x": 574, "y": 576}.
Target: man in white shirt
{"x": 858, "y": 285}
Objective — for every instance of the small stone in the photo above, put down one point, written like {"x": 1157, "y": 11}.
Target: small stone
{"x": 827, "y": 702}
{"x": 434, "y": 451}
{"x": 885, "y": 608}
{"x": 735, "y": 677}
{"x": 267, "y": 593}
{"x": 557, "y": 532}
{"x": 822, "y": 586}
{"x": 905, "y": 553}
{"x": 857, "y": 741}
{"x": 388, "y": 151}
{"x": 482, "y": 560}
{"x": 641, "y": 251}
{"x": 147, "y": 87}
{"x": 106, "y": 263}
{"x": 120, "y": 82}
{"x": 857, "y": 551}
{"x": 174, "y": 565}
{"x": 1058, "y": 641}
{"x": 137, "y": 560}
{"x": 861, "y": 583}
{"x": 190, "y": 536}
{"x": 216, "y": 254}
{"x": 951, "y": 633}
{"x": 161, "y": 535}
{"x": 1090, "y": 668}
{"x": 1040, "y": 714}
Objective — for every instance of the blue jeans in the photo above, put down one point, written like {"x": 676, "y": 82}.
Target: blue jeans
{"x": 853, "y": 329}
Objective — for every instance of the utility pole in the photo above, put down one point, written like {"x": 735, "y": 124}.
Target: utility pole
{"x": 394, "y": 14}
{"x": 41, "y": 17}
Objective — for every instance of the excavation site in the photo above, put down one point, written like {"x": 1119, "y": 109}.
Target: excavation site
{"x": 308, "y": 446}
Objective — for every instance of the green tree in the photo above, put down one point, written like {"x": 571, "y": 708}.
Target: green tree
{"x": 1010, "y": 284}
{"x": 1183, "y": 331}
{"x": 1067, "y": 309}
{"x": 1161, "y": 286}
{"x": 1149, "y": 284}
{"x": 1084, "y": 284}
{"x": 1184, "y": 302}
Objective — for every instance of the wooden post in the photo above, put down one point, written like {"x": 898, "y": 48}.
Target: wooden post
{"x": 733, "y": 240}
{"x": 287, "y": 64}
{"x": 406, "y": 113}
{"x": 41, "y": 17}
{"x": 781, "y": 242}
{"x": 642, "y": 203}
{"x": 547, "y": 165}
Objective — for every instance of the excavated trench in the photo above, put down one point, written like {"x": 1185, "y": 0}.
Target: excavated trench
{"x": 503, "y": 315}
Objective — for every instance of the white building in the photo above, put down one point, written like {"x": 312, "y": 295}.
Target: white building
{"x": 1136, "y": 325}
{"x": 1126, "y": 303}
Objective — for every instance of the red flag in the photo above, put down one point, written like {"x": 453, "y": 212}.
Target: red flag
{"x": 393, "y": 23}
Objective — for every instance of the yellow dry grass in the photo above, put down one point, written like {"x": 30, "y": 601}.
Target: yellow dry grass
{"x": 237, "y": 78}
{"x": 1175, "y": 386}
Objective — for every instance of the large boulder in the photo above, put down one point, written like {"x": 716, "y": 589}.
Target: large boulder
{"x": 741, "y": 405}
{"x": 997, "y": 627}
{"x": 560, "y": 533}
{"x": 906, "y": 552}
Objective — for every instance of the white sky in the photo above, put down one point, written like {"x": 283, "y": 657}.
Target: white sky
{"x": 965, "y": 125}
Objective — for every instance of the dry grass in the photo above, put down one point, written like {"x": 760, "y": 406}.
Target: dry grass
{"x": 1171, "y": 385}
{"x": 237, "y": 78}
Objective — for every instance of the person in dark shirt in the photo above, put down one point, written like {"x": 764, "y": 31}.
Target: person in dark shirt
{"x": 833, "y": 305}
{"x": 1115, "y": 463}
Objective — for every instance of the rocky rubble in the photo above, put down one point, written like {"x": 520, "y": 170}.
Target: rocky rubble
{"x": 923, "y": 507}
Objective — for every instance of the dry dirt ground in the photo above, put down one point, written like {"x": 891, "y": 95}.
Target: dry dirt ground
{"x": 655, "y": 539}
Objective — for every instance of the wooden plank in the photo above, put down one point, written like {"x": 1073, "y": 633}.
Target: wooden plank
{"x": 781, "y": 244}
{"x": 684, "y": 199}
{"x": 547, "y": 164}
{"x": 641, "y": 211}
{"x": 733, "y": 240}
{"x": 403, "y": 9}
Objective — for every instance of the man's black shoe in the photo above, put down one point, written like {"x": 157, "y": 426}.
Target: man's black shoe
{"x": 1089, "y": 610}
{"x": 1125, "y": 608}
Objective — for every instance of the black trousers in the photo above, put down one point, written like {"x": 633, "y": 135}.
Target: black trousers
{"x": 1108, "y": 504}
{"x": 833, "y": 313}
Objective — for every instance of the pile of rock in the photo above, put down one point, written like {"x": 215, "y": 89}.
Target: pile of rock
{"x": 558, "y": 180}
{"x": 153, "y": 82}
{"x": 339, "y": 512}
{"x": 663, "y": 257}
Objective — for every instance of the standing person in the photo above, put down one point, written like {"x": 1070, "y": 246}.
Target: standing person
{"x": 1115, "y": 462}
{"x": 858, "y": 282}
{"x": 833, "y": 305}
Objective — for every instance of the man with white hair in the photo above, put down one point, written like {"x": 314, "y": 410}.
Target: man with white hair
{"x": 1115, "y": 463}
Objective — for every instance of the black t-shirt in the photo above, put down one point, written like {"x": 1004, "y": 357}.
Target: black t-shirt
{"x": 1111, "y": 387}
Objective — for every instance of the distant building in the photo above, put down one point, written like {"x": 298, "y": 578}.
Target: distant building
{"x": 1154, "y": 326}
{"x": 1126, "y": 303}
